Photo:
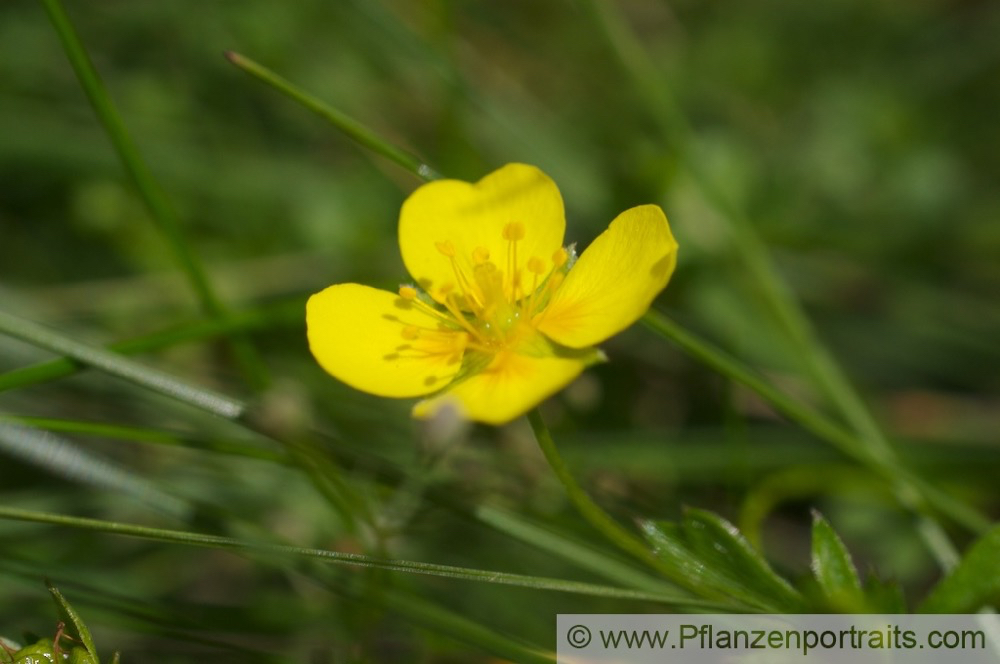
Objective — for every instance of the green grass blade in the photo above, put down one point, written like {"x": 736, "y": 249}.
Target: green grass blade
{"x": 147, "y": 435}
{"x": 238, "y": 322}
{"x": 778, "y": 296}
{"x": 149, "y": 190}
{"x": 579, "y": 553}
{"x": 441, "y": 620}
{"x": 813, "y": 421}
{"x": 65, "y": 459}
{"x": 352, "y": 559}
{"x": 350, "y": 127}
{"x": 116, "y": 365}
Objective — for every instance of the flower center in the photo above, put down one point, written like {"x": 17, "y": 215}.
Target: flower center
{"x": 495, "y": 302}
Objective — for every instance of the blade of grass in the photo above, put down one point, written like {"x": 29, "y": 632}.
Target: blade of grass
{"x": 582, "y": 554}
{"x": 149, "y": 190}
{"x": 350, "y": 127}
{"x": 147, "y": 435}
{"x": 116, "y": 365}
{"x": 812, "y": 421}
{"x": 65, "y": 459}
{"x": 352, "y": 559}
{"x": 777, "y": 295}
{"x": 240, "y": 322}
{"x": 231, "y": 409}
{"x": 440, "y": 620}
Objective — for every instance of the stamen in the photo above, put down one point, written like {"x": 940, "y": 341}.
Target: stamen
{"x": 446, "y": 248}
{"x": 451, "y": 304}
{"x": 480, "y": 255}
{"x": 408, "y": 292}
{"x": 560, "y": 257}
{"x": 537, "y": 268}
{"x": 513, "y": 231}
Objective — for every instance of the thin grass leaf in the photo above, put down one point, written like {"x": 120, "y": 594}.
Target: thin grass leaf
{"x": 833, "y": 568}
{"x": 68, "y": 615}
{"x": 443, "y": 621}
{"x": 148, "y": 435}
{"x": 583, "y": 555}
{"x": 813, "y": 421}
{"x": 778, "y": 296}
{"x": 65, "y": 459}
{"x": 116, "y": 365}
{"x": 286, "y": 552}
{"x": 149, "y": 190}
{"x": 237, "y": 322}
{"x": 350, "y": 127}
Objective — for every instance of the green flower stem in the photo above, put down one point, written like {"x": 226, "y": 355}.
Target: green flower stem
{"x": 116, "y": 365}
{"x": 587, "y": 508}
{"x": 819, "y": 425}
{"x": 149, "y": 190}
{"x": 353, "y": 129}
{"x": 282, "y": 551}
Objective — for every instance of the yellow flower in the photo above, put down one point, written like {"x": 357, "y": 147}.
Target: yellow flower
{"x": 501, "y": 315}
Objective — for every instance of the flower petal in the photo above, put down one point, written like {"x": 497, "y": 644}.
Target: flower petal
{"x": 614, "y": 281}
{"x": 508, "y": 387}
{"x": 377, "y": 342}
{"x": 473, "y": 219}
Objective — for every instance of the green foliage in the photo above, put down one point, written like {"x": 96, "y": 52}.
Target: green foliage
{"x": 973, "y": 584}
{"x": 79, "y": 649}
{"x": 712, "y": 556}
{"x": 172, "y": 457}
{"x": 833, "y": 568}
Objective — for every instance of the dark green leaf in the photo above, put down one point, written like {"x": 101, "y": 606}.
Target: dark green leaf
{"x": 717, "y": 541}
{"x": 75, "y": 625}
{"x": 884, "y": 596}
{"x": 709, "y": 554}
{"x": 973, "y": 584}
{"x": 833, "y": 567}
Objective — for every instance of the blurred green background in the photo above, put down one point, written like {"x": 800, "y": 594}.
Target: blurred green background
{"x": 860, "y": 139}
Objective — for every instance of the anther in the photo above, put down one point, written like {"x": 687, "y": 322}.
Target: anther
{"x": 560, "y": 257}
{"x": 408, "y": 292}
{"x": 513, "y": 231}
{"x": 480, "y": 255}
{"x": 536, "y": 265}
{"x": 446, "y": 248}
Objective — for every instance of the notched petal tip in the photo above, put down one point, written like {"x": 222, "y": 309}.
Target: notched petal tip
{"x": 448, "y": 226}
{"x": 614, "y": 281}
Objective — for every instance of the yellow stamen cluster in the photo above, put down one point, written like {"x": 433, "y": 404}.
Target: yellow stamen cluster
{"x": 491, "y": 306}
